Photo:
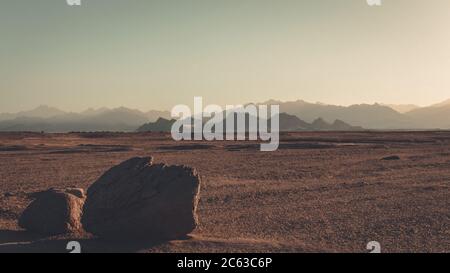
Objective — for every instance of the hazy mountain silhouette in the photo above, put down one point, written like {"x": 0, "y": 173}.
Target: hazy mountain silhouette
{"x": 50, "y": 119}
{"x": 433, "y": 117}
{"x": 339, "y": 125}
{"x": 292, "y": 123}
{"x": 42, "y": 111}
{"x": 286, "y": 122}
{"x": 296, "y": 115}
{"x": 402, "y": 108}
{"x": 373, "y": 116}
{"x": 154, "y": 115}
{"x": 441, "y": 104}
{"x": 93, "y": 111}
{"x": 161, "y": 125}
{"x": 320, "y": 124}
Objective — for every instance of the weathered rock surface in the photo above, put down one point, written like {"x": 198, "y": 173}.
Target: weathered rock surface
{"x": 77, "y": 192}
{"x": 140, "y": 200}
{"x": 53, "y": 212}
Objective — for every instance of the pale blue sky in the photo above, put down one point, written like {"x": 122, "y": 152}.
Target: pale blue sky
{"x": 154, "y": 54}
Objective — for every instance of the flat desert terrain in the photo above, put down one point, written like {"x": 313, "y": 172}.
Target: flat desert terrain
{"x": 320, "y": 192}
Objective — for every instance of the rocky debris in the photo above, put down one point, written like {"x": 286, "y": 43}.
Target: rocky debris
{"x": 54, "y": 212}
{"x": 361, "y": 183}
{"x": 394, "y": 157}
{"x": 8, "y": 194}
{"x": 140, "y": 200}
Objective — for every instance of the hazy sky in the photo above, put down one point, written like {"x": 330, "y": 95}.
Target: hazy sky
{"x": 154, "y": 54}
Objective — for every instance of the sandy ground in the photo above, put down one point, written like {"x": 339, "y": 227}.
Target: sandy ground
{"x": 320, "y": 192}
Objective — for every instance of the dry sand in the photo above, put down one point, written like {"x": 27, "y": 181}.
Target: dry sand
{"x": 320, "y": 192}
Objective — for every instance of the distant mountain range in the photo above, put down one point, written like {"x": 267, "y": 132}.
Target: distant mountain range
{"x": 49, "y": 119}
{"x": 435, "y": 116}
{"x": 371, "y": 116}
{"x": 286, "y": 122}
{"x": 402, "y": 108}
{"x": 296, "y": 116}
{"x": 293, "y": 123}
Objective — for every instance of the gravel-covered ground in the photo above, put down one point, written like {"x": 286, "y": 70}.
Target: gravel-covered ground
{"x": 320, "y": 192}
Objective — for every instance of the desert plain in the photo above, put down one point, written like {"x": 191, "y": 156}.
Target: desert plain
{"x": 319, "y": 192}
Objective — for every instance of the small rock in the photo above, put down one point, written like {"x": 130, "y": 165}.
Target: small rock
{"x": 139, "y": 200}
{"x": 361, "y": 183}
{"x": 394, "y": 157}
{"x": 53, "y": 212}
{"x": 8, "y": 194}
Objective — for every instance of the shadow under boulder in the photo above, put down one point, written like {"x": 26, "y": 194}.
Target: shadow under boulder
{"x": 390, "y": 158}
{"x": 143, "y": 201}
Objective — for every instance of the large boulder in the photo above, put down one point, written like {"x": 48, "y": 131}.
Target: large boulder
{"x": 54, "y": 212}
{"x": 140, "y": 200}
